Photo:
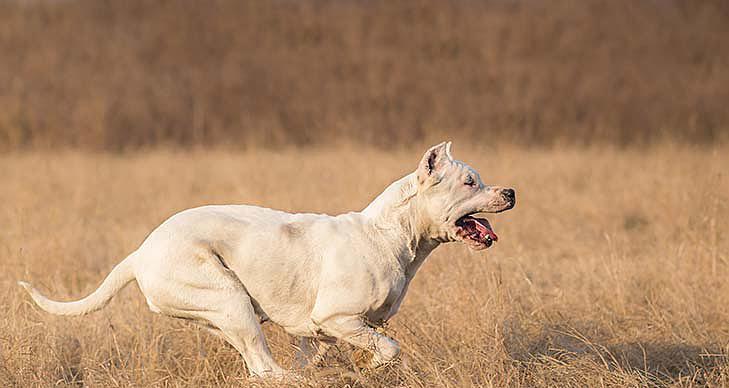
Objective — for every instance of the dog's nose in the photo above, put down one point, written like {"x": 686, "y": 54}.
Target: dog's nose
{"x": 509, "y": 194}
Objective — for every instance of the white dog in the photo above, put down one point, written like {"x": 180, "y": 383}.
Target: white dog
{"x": 320, "y": 277}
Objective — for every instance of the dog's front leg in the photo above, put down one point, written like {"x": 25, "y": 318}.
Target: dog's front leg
{"x": 312, "y": 351}
{"x": 353, "y": 330}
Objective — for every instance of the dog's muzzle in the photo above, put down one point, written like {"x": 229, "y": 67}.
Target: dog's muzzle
{"x": 510, "y": 197}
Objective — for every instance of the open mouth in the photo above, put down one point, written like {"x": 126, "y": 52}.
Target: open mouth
{"x": 476, "y": 232}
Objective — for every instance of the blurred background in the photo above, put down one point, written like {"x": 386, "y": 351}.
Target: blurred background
{"x": 122, "y": 75}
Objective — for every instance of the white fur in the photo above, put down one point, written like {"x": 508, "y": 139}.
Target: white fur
{"x": 320, "y": 277}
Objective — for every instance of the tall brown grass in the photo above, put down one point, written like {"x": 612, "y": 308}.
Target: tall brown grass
{"x": 119, "y": 75}
{"x": 611, "y": 271}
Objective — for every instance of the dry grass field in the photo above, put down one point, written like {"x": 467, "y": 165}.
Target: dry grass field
{"x": 612, "y": 270}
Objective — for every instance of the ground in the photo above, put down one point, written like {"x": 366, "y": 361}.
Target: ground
{"x": 611, "y": 271}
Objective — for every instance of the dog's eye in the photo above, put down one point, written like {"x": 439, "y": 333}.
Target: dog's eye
{"x": 469, "y": 181}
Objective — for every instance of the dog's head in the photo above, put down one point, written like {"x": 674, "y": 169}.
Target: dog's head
{"x": 451, "y": 193}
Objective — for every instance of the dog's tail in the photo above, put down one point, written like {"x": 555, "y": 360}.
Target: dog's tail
{"x": 119, "y": 277}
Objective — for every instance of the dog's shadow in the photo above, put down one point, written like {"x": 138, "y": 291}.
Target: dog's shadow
{"x": 656, "y": 361}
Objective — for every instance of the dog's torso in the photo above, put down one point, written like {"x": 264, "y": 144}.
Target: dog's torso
{"x": 297, "y": 268}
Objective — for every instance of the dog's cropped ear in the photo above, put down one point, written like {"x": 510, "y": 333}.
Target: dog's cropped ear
{"x": 434, "y": 161}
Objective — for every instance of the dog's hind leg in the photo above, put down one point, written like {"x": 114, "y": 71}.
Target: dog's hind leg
{"x": 238, "y": 323}
{"x": 228, "y": 312}
{"x": 212, "y": 294}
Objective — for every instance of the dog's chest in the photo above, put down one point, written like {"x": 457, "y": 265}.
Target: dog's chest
{"x": 383, "y": 309}
{"x": 396, "y": 282}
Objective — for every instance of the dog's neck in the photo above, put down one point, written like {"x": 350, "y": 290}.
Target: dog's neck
{"x": 396, "y": 214}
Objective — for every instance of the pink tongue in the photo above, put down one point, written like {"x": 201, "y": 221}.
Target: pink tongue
{"x": 484, "y": 227}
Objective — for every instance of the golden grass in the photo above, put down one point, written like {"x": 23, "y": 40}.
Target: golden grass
{"x": 611, "y": 271}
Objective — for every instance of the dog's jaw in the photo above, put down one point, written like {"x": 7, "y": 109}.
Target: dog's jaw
{"x": 476, "y": 233}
